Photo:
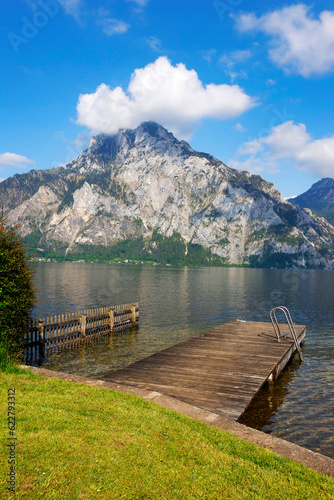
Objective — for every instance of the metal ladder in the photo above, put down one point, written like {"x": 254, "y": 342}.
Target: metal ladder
{"x": 291, "y": 326}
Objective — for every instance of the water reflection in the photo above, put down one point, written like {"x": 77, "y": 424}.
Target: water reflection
{"x": 91, "y": 359}
{"x": 265, "y": 405}
{"x": 178, "y": 303}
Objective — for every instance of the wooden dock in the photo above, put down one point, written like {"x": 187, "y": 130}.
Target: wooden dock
{"x": 219, "y": 371}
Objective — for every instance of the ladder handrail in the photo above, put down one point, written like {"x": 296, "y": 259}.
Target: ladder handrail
{"x": 286, "y": 312}
{"x": 290, "y": 324}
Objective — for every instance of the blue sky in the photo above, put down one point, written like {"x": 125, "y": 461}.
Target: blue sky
{"x": 250, "y": 82}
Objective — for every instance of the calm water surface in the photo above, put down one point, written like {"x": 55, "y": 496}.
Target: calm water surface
{"x": 178, "y": 303}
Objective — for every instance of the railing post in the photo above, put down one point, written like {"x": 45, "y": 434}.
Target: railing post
{"x": 111, "y": 319}
{"x": 133, "y": 310}
{"x": 83, "y": 327}
{"x": 41, "y": 339}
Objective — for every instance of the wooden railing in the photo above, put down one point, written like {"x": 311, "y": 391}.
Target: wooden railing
{"x": 51, "y": 334}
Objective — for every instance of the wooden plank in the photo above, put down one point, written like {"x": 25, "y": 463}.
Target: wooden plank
{"x": 68, "y": 330}
{"x": 220, "y": 370}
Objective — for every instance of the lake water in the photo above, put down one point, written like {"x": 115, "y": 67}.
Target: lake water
{"x": 177, "y": 303}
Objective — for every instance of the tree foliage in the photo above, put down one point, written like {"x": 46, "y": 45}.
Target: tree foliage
{"x": 17, "y": 293}
{"x": 161, "y": 249}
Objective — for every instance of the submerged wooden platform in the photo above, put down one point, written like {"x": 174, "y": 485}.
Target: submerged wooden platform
{"x": 220, "y": 370}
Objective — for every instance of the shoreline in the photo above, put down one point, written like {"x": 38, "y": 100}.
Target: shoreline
{"x": 316, "y": 461}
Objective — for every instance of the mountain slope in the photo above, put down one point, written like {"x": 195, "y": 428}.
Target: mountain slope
{"x": 319, "y": 198}
{"x": 144, "y": 192}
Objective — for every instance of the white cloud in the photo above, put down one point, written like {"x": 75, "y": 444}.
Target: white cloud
{"x": 209, "y": 54}
{"x": 80, "y": 143}
{"x": 301, "y": 43}
{"x": 114, "y": 26}
{"x": 110, "y": 25}
{"x": 140, "y": 3}
{"x": 170, "y": 95}
{"x": 74, "y": 148}
{"x": 14, "y": 160}
{"x": 11, "y": 162}
{"x": 235, "y": 57}
{"x": 287, "y": 140}
{"x": 239, "y": 128}
{"x": 72, "y": 7}
{"x": 229, "y": 60}
{"x": 293, "y": 143}
{"x": 255, "y": 165}
{"x": 154, "y": 43}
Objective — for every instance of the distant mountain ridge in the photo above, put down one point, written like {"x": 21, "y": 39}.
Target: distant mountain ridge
{"x": 319, "y": 198}
{"x": 144, "y": 195}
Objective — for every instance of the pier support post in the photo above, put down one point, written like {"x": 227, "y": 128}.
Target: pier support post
{"x": 83, "y": 327}
{"x": 133, "y": 310}
{"x": 111, "y": 319}
{"x": 41, "y": 340}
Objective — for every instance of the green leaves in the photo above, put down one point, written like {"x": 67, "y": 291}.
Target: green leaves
{"x": 16, "y": 290}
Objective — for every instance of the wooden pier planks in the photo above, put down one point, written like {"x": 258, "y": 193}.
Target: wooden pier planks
{"x": 220, "y": 370}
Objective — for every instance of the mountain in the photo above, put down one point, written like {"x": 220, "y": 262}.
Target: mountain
{"x": 142, "y": 194}
{"x": 319, "y": 198}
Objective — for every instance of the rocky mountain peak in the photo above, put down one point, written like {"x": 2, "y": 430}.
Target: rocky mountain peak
{"x": 148, "y": 137}
{"x": 143, "y": 188}
{"x": 319, "y": 198}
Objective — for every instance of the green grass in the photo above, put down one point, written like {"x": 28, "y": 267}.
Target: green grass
{"x": 8, "y": 363}
{"x": 78, "y": 442}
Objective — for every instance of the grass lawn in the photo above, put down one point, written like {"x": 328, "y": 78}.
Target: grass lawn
{"x": 77, "y": 442}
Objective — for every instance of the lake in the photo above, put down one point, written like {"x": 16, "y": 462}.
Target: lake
{"x": 179, "y": 302}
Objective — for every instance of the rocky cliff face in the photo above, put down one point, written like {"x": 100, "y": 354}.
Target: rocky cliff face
{"x": 144, "y": 183}
{"x": 319, "y": 198}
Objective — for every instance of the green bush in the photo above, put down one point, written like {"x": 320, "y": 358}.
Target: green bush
{"x": 17, "y": 294}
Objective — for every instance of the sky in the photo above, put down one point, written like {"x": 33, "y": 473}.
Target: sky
{"x": 248, "y": 81}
